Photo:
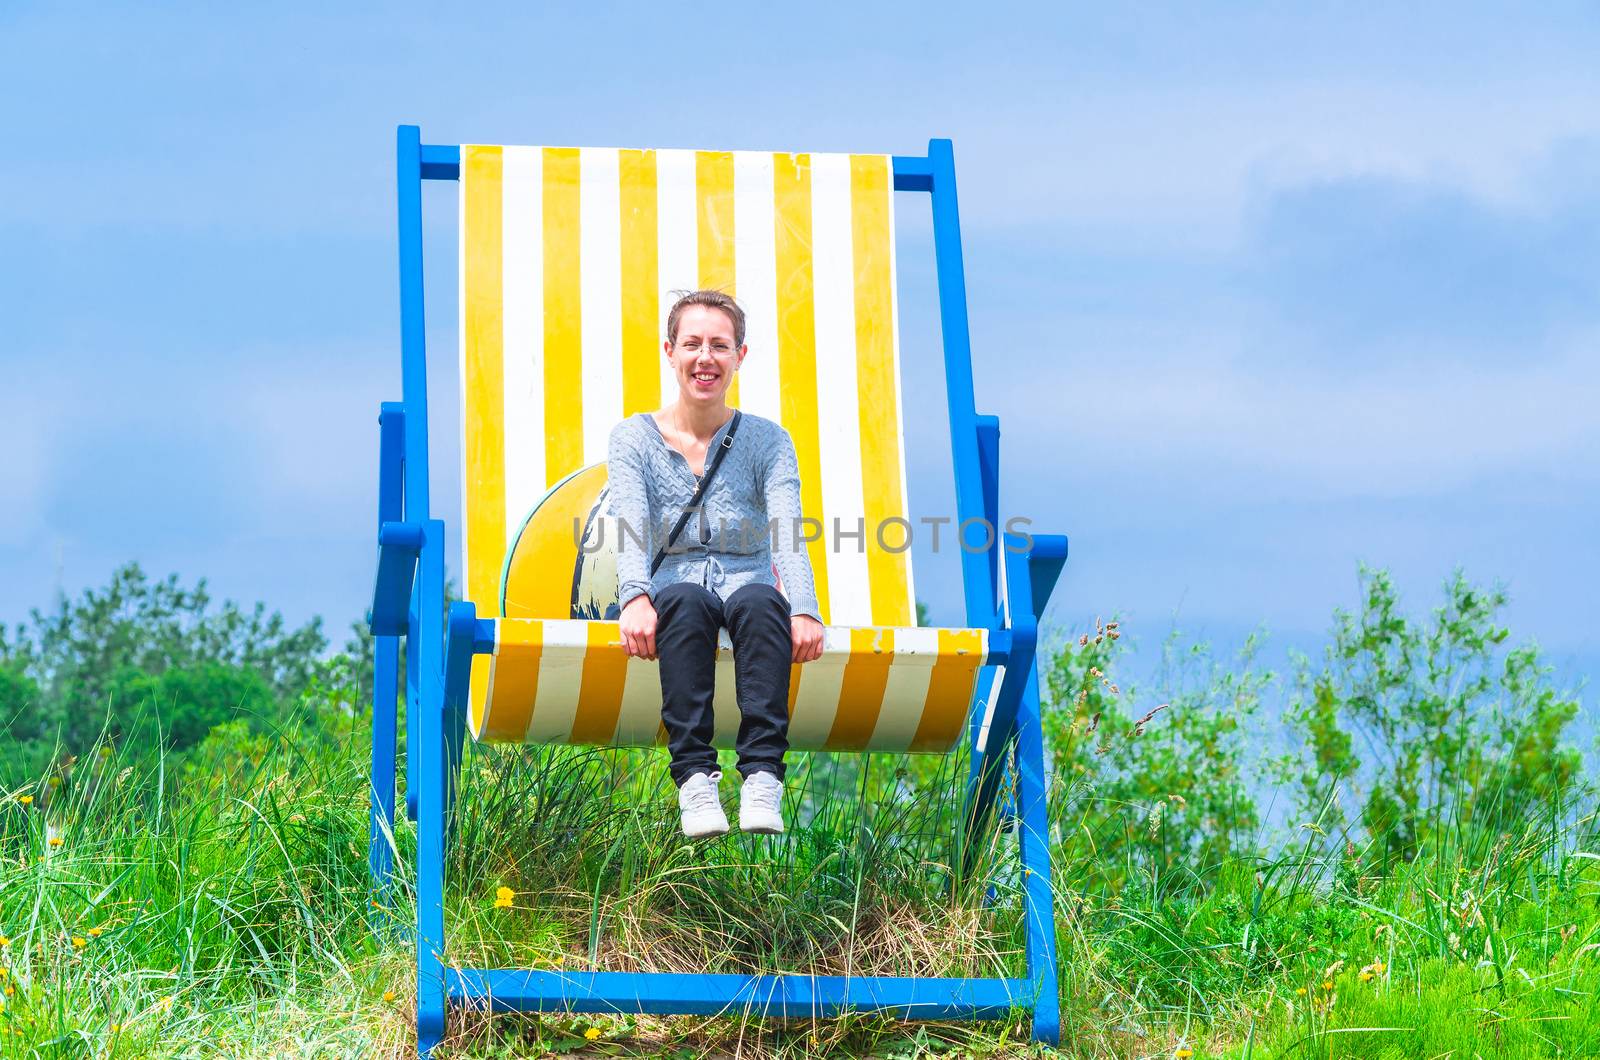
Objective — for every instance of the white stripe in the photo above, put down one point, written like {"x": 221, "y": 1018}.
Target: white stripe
{"x": 461, "y": 368}
{"x": 838, "y": 398}
{"x": 600, "y": 281}
{"x": 522, "y": 299}
{"x": 899, "y": 403}
{"x": 756, "y": 279}
{"x": 486, "y": 704}
{"x": 905, "y": 694}
{"x": 816, "y": 704}
{"x": 640, "y": 717}
{"x": 1002, "y": 585}
{"x": 560, "y": 679}
{"x": 990, "y": 698}
{"x": 678, "y": 243}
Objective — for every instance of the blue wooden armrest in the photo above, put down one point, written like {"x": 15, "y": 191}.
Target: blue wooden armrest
{"x": 466, "y": 635}
{"x": 399, "y": 542}
{"x": 399, "y": 545}
{"x": 1045, "y": 560}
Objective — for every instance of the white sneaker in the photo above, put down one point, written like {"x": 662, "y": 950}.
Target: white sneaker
{"x": 761, "y": 804}
{"x": 701, "y": 806}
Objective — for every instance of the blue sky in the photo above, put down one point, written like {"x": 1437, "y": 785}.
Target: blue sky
{"x": 1258, "y": 295}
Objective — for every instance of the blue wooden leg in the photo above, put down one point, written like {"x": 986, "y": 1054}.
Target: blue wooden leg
{"x": 380, "y": 851}
{"x": 413, "y": 697}
{"x": 1034, "y": 840}
{"x": 455, "y": 732}
{"x": 431, "y": 755}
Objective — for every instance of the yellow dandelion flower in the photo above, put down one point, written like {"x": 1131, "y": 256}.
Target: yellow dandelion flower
{"x": 1183, "y": 1052}
{"x": 1300, "y": 991}
{"x": 96, "y": 932}
{"x": 26, "y": 800}
{"x": 10, "y": 990}
{"x": 1327, "y": 984}
{"x": 4, "y": 942}
{"x": 388, "y": 995}
{"x": 503, "y": 897}
{"x": 56, "y": 841}
{"x": 593, "y": 1034}
{"x": 1378, "y": 966}
{"x": 79, "y": 942}
{"x": 1365, "y": 975}
{"x": 4, "y": 972}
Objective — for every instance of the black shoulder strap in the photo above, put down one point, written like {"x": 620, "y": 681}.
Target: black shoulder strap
{"x": 700, "y": 491}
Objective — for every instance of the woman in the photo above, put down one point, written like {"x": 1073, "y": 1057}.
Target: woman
{"x": 723, "y": 570}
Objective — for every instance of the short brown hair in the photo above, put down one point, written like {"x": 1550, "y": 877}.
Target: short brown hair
{"x": 711, "y": 300}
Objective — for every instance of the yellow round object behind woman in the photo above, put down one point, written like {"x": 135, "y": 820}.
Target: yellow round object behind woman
{"x": 563, "y": 561}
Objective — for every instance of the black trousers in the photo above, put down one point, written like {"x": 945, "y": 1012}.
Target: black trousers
{"x": 687, "y": 619}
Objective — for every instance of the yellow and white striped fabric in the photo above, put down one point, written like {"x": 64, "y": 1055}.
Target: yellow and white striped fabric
{"x": 569, "y": 261}
{"x": 873, "y": 689}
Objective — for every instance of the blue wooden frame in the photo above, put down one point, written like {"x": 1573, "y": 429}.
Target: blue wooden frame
{"x": 1005, "y": 589}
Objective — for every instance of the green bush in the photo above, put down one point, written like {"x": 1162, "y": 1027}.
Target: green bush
{"x": 147, "y": 663}
{"x": 1430, "y": 725}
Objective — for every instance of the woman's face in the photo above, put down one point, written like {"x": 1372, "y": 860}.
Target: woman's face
{"x": 704, "y": 358}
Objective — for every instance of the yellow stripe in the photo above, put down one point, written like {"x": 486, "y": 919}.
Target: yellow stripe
{"x": 949, "y": 690}
{"x": 713, "y": 179}
{"x": 794, "y": 684}
{"x": 563, "y": 330}
{"x": 484, "y": 434}
{"x": 605, "y": 668}
{"x": 514, "y": 680}
{"x": 797, "y": 342}
{"x": 866, "y": 673}
{"x": 871, "y": 237}
{"x": 548, "y": 546}
{"x": 641, "y": 299}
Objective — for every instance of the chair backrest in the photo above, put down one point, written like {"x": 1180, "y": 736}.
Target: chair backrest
{"x": 569, "y": 261}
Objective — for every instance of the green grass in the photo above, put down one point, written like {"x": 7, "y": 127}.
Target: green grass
{"x": 221, "y": 909}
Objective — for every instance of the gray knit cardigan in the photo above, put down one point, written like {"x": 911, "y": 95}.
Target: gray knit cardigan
{"x": 747, "y": 531}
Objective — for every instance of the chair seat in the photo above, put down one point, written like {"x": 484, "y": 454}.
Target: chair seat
{"x": 875, "y": 688}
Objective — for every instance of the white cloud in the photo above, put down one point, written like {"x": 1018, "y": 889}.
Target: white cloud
{"x": 1402, "y": 432}
{"x": 1178, "y": 165}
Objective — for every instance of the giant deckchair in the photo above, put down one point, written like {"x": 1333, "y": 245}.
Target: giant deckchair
{"x": 568, "y": 257}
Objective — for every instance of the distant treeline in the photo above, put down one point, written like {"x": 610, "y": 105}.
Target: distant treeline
{"x": 1402, "y": 722}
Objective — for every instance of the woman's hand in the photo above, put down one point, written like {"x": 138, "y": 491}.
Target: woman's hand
{"x": 807, "y": 635}
{"x": 639, "y": 627}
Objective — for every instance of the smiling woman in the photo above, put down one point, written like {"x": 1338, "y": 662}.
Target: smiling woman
{"x": 742, "y": 575}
